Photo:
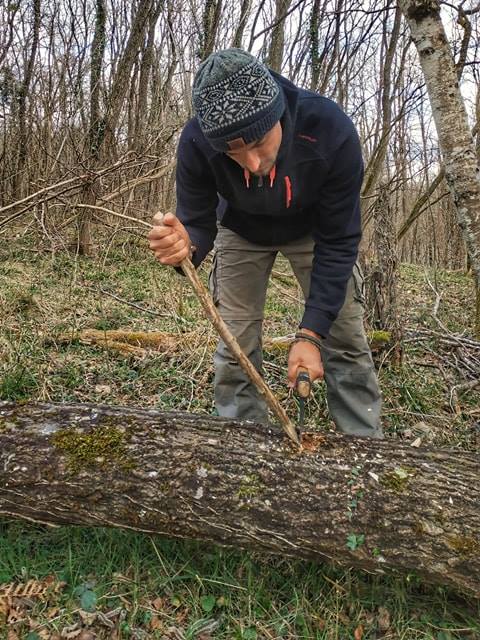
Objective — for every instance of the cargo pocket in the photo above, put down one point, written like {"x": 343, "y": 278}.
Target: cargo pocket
{"x": 359, "y": 284}
{"x": 213, "y": 279}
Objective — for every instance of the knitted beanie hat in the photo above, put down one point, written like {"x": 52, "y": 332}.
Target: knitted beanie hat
{"x": 235, "y": 96}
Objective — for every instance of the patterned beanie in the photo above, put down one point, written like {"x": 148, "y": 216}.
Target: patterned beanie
{"x": 235, "y": 96}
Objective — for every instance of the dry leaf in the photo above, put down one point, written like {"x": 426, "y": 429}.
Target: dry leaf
{"x": 88, "y": 617}
{"x": 17, "y": 598}
{"x": 103, "y": 389}
{"x": 156, "y": 623}
{"x": 72, "y": 631}
{"x": 87, "y": 635}
{"x": 158, "y": 603}
{"x": 182, "y": 616}
{"x": 11, "y": 635}
{"x": 383, "y": 619}
{"x": 105, "y": 619}
{"x": 358, "y": 633}
{"x": 174, "y": 633}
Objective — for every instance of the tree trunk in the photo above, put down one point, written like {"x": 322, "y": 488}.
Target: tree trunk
{"x": 97, "y": 125}
{"x": 242, "y": 21}
{"x": 382, "y": 276}
{"x": 375, "y": 166}
{"x": 23, "y": 138}
{"x": 120, "y": 81}
{"x": 211, "y": 19}
{"x": 141, "y": 111}
{"x": 448, "y": 108}
{"x": 277, "y": 42}
{"x": 96, "y": 129}
{"x": 378, "y": 505}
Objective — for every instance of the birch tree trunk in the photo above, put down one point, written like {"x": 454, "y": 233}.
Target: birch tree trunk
{"x": 374, "y": 504}
{"x": 448, "y": 108}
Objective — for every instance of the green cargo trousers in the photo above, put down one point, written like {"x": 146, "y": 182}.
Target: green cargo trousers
{"x": 238, "y": 282}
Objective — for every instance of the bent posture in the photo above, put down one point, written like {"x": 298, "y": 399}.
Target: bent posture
{"x": 263, "y": 168}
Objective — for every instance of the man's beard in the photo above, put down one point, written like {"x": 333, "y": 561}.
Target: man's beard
{"x": 264, "y": 171}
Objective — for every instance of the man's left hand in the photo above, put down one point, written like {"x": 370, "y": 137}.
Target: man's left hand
{"x": 304, "y": 354}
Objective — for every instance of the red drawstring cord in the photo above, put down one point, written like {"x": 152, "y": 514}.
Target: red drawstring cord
{"x": 271, "y": 175}
{"x": 288, "y": 186}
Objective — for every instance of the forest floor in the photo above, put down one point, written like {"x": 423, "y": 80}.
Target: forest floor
{"x": 117, "y": 584}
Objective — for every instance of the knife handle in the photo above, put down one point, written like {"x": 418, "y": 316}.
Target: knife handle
{"x": 303, "y": 384}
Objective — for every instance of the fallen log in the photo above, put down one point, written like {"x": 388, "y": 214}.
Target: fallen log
{"x": 377, "y": 505}
{"x": 137, "y": 343}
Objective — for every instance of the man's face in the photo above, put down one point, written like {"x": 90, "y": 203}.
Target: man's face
{"x": 259, "y": 156}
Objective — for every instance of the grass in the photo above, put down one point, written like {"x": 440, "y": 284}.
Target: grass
{"x": 202, "y": 591}
{"x": 189, "y": 585}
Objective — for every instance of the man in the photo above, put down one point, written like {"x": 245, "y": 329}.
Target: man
{"x": 281, "y": 169}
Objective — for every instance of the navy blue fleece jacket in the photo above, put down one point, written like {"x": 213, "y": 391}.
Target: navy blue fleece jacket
{"x": 316, "y": 190}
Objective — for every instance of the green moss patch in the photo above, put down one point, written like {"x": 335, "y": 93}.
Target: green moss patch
{"x": 464, "y": 545}
{"x": 398, "y": 479}
{"x": 103, "y": 447}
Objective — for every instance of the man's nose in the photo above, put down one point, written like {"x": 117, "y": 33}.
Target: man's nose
{"x": 252, "y": 161}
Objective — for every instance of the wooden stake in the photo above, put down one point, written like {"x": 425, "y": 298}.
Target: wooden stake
{"x": 232, "y": 344}
{"x": 224, "y": 332}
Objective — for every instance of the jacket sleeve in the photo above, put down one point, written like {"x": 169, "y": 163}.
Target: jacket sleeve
{"x": 197, "y": 197}
{"x": 337, "y": 234}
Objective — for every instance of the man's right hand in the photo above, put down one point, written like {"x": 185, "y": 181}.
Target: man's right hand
{"x": 169, "y": 240}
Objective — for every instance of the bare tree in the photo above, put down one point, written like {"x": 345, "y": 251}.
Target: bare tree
{"x": 211, "y": 16}
{"x": 275, "y": 51}
{"x": 115, "y": 79}
{"x": 242, "y": 22}
{"x": 22, "y": 101}
{"x": 461, "y": 165}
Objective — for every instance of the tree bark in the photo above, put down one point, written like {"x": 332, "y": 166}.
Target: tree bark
{"x": 374, "y": 168}
{"x": 211, "y": 19}
{"x": 96, "y": 129}
{"x": 277, "y": 42}
{"x": 378, "y": 505}
{"x": 23, "y": 96}
{"x": 120, "y": 81}
{"x": 141, "y": 112}
{"x": 381, "y": 282}
{"x": 242, "y": 21}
